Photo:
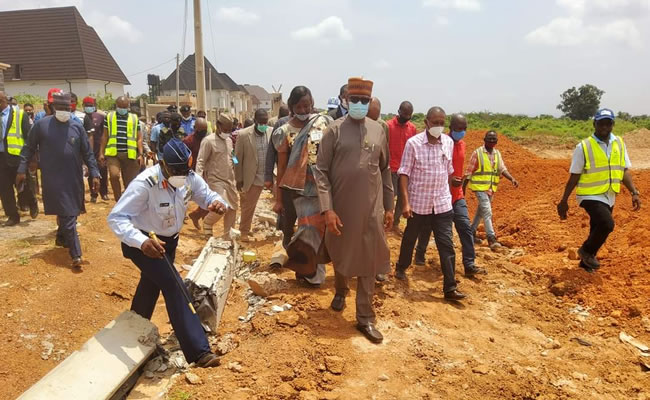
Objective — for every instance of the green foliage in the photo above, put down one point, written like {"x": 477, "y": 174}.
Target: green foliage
{"x": 582, "y": 103}
{"x": 180, "y": 395}
{"x": 105, "y": 101}
{"x": 23, "y": 98}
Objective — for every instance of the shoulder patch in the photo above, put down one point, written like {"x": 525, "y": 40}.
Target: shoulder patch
{"x": 152, "y": 180}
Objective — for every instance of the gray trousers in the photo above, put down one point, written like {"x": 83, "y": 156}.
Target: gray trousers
{"x": 68, "y": 232}
{"x": 400, "y": 200}
{"x": 365, "y": 292}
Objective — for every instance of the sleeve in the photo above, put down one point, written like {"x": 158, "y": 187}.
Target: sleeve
{"x": 502, "y": 165}
{"x": 578, "y": 160}
{"x": 88, "y": 155}
{"x": 322, "y": 170}
{"x": 471, "y": 165}
{"x": 239, "y": 153}
{"x": 386, "y": 177}
{"x": 628, "y": 163}
{"x": 25, "y": 126}
{"x": 202, "y": 195}
{"x": 134, "y": 200}
{"x": 279, "y": 141}
{"x": 204, "y": 153}
{"x": 271, "y": 157}
{"x": 29, "y": 149}
{"x": 408, "y": 160}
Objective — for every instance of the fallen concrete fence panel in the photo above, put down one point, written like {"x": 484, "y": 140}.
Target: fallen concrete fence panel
{"x": 103, "y": 364}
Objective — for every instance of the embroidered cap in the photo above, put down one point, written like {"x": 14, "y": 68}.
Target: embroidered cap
{"x": 176, "y": 152}
{"x": 604, "y": 113}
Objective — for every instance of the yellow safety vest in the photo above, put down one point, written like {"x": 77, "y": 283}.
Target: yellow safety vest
{"x": 210, "y": 127}
{"x": 485, "y": 177}
{"x": 601, "y": 173}
{"x": 15, "y": 140}
{"x": 131, "y": 135}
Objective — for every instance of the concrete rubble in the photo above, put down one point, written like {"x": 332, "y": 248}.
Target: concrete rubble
{"x": 265, "y": 284}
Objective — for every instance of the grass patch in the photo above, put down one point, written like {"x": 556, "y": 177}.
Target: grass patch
{"x": 23, "y": 260}
{"x": 180, "y": 395}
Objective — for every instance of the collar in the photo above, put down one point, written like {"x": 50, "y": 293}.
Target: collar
{"x": 6, "y": 110}
{"x": 610, "y": 140}
{"x": 424, "y": 139}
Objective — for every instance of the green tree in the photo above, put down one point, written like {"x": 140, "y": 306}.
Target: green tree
{"x": 105, "y": 102}
{"x": 23, "y": 98}
{"x": 582, "y": 103}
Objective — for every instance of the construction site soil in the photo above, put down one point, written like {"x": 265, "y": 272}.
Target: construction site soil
{"x": 535, "y": 327}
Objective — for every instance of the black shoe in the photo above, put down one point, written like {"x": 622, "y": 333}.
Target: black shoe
{"x": 76, "y": 262}
{"x": 381, "y": 277}
{"x": 370, "y": 332}
{"x": 586, "y": 268}
{"x": 338, "y": 302}
{"x": 588, "y": 259}
{"x": 105, "y": 197}
{"x": 419, "y": 260}
{"x": 454, "y": 295}
{"x": 33, "y": 211}
{"x": 93, "y": 199}
{"x": 473, "y": 271}
{"x": 60, "y": 241}
{"x": 12, "y": 222}
{"x": 400, "y": 274}
{"x": 24, "y": 208}
{"x": 208, "y": 360}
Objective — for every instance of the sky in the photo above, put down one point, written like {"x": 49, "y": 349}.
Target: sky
{"x": 509, "y": 56}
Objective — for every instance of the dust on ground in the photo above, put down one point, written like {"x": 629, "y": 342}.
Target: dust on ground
{"x": 535, "y": 327}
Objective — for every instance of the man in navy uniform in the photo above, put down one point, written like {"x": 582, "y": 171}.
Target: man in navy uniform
{"x": 156, "y": 201}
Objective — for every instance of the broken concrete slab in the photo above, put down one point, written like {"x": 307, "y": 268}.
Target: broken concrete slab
{"x": 103, "y": 364}
{"x": 264, "y": 284}
{"x": 211, "y": 277}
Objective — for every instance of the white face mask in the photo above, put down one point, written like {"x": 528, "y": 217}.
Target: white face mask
{"x": 177, "y": 181}
{"x": 62, "y": 116}
{"x": 303, "y": 117}
{"x": 436, "y": 131}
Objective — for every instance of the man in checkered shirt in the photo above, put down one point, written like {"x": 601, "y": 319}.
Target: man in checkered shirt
{"x": 424, "y": 182}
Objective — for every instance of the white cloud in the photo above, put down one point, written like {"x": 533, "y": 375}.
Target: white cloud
{"x": 572, "y": 31}
{"x": 462, "y": 5}
{"x": 326, "y": 30}
{"x": 593, "y": 21}
{"x": 442, "y": 20}
{"x": 237, "y": 15}
{"x": 382, "y": 64}
{"x": 113, "y": 27}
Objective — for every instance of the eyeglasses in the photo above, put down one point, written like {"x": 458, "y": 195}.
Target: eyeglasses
{"x": 359, "y": 99}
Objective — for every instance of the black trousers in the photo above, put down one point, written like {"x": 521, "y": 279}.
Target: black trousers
{"x": 7, "y": 182}
{"x": 156, "y": 277}
{"x": 288, "y": 217}
{"x": 103, "y": 180}
{"x": 601, "y": 224}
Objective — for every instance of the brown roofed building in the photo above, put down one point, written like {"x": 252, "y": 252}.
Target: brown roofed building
{"x": 263, "y": 97}
{"x": 54, "y": 47}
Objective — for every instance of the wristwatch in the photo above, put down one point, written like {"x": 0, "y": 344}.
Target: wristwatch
{"x": 636, "y": 193}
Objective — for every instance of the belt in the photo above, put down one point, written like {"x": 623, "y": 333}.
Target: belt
{"x": 162, "y": 237}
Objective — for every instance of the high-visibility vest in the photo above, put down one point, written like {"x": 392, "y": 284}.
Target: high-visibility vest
{"x": 485, "y": 177}
{"x": 131, "y": 135}
{"x": 15, "y": 140}
{"x": 601, "y": 173}
{"x": 210, "y": 127}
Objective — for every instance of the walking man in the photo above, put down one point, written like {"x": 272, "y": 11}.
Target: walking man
{"x": 188, "y": 121}
{"x": 250, "y": 150}
{"x": 156, "y": 201}
{"x": 424, "y": 181}
{"x": 600, "y": 163}
{"x": 64, "y": 149}
{"x": 400, "y": 130}
{"x": 14, "y": 129}
{"x": 95, "y": 120}
{"x": 356, "y": 198}
{"x": 483, "y": 173}
{"x": 457, "y": 126}
{"x": 121, "y": 149}
{"x": 215, "y": 165}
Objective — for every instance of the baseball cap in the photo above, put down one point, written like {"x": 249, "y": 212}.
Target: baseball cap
{"x": 88, "y": 100}
{"x": 604, "y": 113}
{"x": 185, "y": 108}
{"x": 333, "y": 102}
{"x": 50, "y": 99}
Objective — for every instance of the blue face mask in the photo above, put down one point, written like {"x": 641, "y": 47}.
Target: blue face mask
{"x": 122, "y": 111}
{"x": 89, "y": 110}
{"x": 358, "y": 110}
{"x": 457, "y": 135}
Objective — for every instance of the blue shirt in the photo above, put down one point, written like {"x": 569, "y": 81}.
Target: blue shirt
{"x": 4, "y": 115}
{"x": 188, "y": 126}
{"x": 150, "y": 204}
{"x": 153, "y": 138}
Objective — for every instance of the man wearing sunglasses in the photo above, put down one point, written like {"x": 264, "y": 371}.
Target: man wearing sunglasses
{"x": 156, "y": 201}
{"x": 483, "y": 173}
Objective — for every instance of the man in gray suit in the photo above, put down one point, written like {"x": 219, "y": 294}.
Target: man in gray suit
{"x": 250, "y": 151}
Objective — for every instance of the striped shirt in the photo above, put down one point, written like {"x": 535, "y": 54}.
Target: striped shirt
{"x": 428, "y": 167}
{"x": 122, "y": 120}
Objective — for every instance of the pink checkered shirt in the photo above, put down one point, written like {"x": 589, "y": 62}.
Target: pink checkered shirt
{"x": 428, "y": 167}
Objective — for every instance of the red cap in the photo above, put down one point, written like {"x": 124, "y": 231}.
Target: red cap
{"x": 88, "y": 100}
{"x": 50, "y": 99}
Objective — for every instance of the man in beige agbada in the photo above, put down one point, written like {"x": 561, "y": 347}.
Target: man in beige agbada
{"x": 356, "y": 196}
{"x": 215, "y": 165}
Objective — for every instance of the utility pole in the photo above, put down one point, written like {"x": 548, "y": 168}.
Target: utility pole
{"x": 209, "y": 89}
{"x": 198, "y": 57}
{"x": 178, "y": 80}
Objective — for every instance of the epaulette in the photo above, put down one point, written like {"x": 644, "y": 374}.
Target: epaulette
{"x": 152, "y": 180}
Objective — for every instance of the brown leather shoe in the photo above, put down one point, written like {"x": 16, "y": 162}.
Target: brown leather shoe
{"x": 208, "y": 360}
{"x": 370, "y": 332}
{"x": 454, "y": 295}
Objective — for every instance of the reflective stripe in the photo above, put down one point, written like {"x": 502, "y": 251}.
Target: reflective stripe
{"x": 15, "y": 141}
{"x": 478, "y": 182}
{"x": 131, "y": 136}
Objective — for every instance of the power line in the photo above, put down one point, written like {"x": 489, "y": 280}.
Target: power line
{"x": 149, "y": 69}
{"x": 214, "y": 48}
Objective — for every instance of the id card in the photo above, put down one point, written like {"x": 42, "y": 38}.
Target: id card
{"x": 316, "y": 136}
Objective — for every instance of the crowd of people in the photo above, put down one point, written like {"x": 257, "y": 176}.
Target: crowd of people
{"x": 340, "y": 180}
